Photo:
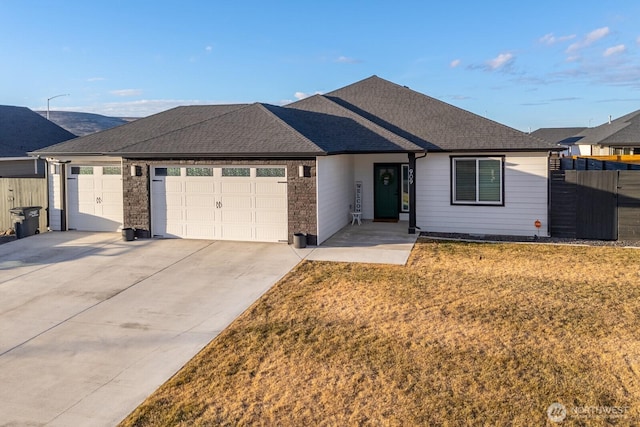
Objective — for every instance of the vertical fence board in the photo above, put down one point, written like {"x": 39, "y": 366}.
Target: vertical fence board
{"x": 629, "y": 205}
{"x": 563, "y": 204}
{"x": 16, "y": 192}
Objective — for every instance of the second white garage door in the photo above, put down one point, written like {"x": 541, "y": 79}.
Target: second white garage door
{"x": 95, "y": 198}
{"x": 220, "y": 203}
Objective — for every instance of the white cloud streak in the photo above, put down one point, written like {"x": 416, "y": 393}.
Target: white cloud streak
{"x": 455, "y": 63}
{"x": 126, "y": 92}
{"x": 614, "y": 50}
{"x": 500, "y": 61}
{"x": 550, "y": 39}
{"x": 347, "y": 60}
{"x": 589, "y": 39}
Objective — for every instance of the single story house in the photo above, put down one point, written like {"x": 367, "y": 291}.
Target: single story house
{"x": 615, "y": 137}
{"x": 260, "y": 172}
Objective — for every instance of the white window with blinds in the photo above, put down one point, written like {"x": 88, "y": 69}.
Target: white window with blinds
{"x": 477, "y": 181}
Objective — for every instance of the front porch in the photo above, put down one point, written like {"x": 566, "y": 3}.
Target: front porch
{"x": 371, "y": 242}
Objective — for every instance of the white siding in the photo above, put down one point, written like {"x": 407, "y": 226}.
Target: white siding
{"x": 335, "y": 193}
{"x": 363, "y": 167}
{"x": 525, "y": 189}
{"x": 55, "y": 199}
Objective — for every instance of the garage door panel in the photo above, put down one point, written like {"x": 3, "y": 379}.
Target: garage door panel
{"x": 237, "y": 202}
{"x": 265, "y": 202}
{"x": 235, "y": 187}
{"x": 236, "y": 232}
{"x": 109, "y": 184}
{"x": 171, "y": 186}
{"x": 174, "y": 215}
{"x": 271, "y": 188}
{"x": 200, "y": 186}
{"x": 199, "y": 215}
{"x": 235, "y": 217}
{"x": 200, "y": 231}
{"x": 270, "y": 217}
{"x": 199, "y": 200}
{"x": 270, "y": 233}
{"x": 173, "y": 199}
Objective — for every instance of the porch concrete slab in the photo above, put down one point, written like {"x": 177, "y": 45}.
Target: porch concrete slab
{"x": 371, "y": 242}
{"x": 91, "y": 325}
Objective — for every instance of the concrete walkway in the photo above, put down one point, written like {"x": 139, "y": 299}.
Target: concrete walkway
{"x": 371, "y": 242}
{"x": 91, "y": 325}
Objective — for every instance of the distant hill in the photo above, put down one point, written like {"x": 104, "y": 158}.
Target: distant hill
{"x": 82, "y": 124}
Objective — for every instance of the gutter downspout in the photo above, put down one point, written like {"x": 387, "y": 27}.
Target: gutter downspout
{"x": 412, "y": 191}
{"x": 63, "y": 195}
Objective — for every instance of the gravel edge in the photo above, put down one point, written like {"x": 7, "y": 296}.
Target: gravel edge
{"x": 529, "y": 239}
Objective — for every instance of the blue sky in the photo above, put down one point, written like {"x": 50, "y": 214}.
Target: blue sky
{"x": 524, "y": 64}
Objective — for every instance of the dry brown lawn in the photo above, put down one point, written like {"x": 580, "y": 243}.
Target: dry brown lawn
{"x": 465, "y": 334}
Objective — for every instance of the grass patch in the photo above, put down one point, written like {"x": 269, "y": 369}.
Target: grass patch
{"x": 465, "y": 334}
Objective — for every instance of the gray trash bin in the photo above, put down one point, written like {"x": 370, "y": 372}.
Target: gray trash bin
{"x": 26, "y": 220}
{"x": 299, "y": 240}
{"x": 128, "y": 234}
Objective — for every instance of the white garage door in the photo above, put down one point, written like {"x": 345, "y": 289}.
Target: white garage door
{"x": 94, "y": 198}
{"x": 220, "y": 203}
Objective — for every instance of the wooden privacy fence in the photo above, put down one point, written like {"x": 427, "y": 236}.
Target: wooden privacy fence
{"x": 600, "y": 204}
{"x": 17, "y": 192}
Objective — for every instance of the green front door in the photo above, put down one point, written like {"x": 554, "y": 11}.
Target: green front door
{"x": 386, "y": 187}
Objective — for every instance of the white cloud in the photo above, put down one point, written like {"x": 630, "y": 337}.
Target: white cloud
{"x": 126, "y": 92}
{"x": 303, "y": 95}
{"x": 614, "y": 50}
{"x": 347, "y": 60}
{"x": 589, "y": 39}
{"x": 550, "y": 39}
{"x": 208, "y": 49}
{"x": 638, "y": 40}
{"x": 455, "y": 63}
{"x": 96, "y": 79}
{"x": 500, "y": 61}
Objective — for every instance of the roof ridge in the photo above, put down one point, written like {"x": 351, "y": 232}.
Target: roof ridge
{"x": 275, "y": 117}
{"x": 366, "y": 121}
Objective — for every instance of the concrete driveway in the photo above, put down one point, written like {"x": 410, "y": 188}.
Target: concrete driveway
{"x": 91, "y": 325}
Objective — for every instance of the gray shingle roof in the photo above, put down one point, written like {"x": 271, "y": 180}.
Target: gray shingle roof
{"x": 426, "y": 121}
{"x": 252, "y": 130}
{"x": 23, "y": 130}
{"x": 564, "y": 136}
{"x": 117, "y": 138}
{"x": 622, "y": 131}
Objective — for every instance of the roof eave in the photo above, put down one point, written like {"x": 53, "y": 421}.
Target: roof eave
{"x": 146, "y": 155}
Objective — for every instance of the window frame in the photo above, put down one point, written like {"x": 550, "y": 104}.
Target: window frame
{"x": 478, "y": 202}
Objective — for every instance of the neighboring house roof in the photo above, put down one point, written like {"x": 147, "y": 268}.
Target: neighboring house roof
{"x": 623, "y": 131}
{"x": 23, "y": 130}
{"x": 564, "y": 136}
{"x": 373, "y": 115}
{"x": 426, "y": 121}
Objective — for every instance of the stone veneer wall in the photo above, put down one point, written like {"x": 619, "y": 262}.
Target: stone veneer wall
{"x": 301, "y": 192}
